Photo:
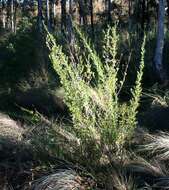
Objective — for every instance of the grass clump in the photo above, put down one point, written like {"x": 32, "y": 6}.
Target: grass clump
{"x": 99, "y": 120}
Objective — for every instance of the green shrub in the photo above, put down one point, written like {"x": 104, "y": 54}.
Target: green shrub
{"x": 100, "y": 121}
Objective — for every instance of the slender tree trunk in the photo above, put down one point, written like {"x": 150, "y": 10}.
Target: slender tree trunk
{"x": 3, "y": 15}
{"x": 129, "y": 7}
{"x": 70, "y": 31}
{"x": 15, "y": 16}
{"x": 71, "y": 36}
{"x": 85, "y": 12}
{"x": 40, "y": 14}
{"x": 109, "y": 18}
{"x": 108, "y": 10}
{"x": 63, "y": 15}
{"x": 143, "y": 14}
{"x": 70, "y": 7}
{"x": 158, "y": 58}
{"x": 82, "y": 12}
{"x": 8, "y": 14}
{"x": 53, "y": 14}
{"x": 48, "y": 14}
{"x": 130, "y": 12}
{"x": 54, "y": 8}
{"x": 168, "y": 8}
{"x": 12, "y": 15}
{"x": 147, "y": 16}
{"x": 92, "y": 17}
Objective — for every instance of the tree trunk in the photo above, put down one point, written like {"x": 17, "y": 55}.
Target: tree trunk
{"x": 40, "y": 14}
{"x": 143, "y": 6}
{"x": 63, "y": 15}
{"x": 82, "y": 12}
{"x": 53, "y": 14}
{"x": 158, "y": 58}
{"x": 70, "y": 7}
{"x": 129, "y": 7}
{"x": 15, "y": 16}
{"x": 8, "y": 14}
{"x": 168, "y": 8}
{"x": 54, "y": 8}
{"x": 48, "y": 14}
{"x": 12, "y": 15}
{"x": 92, "y": 17}
{"x": 70, "y": 31}
{"x": 109, "y": 18}
{"x": 3, "y": 15}
{"x": 147, "y": 16}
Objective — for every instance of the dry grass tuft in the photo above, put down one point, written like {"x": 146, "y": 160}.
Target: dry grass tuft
{"x": 143, "y": 167}
{"x": 62, "y": 179}
{"x": 157, "y": 145}
{"x": 10, "y": 129}
{"x": 119, "y": 180}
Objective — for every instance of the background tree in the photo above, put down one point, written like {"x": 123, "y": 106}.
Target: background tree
{"x": 48, "y": 14}
{"x": 63, "y": 15}
{"x": 92, "y": 16}
{"x": 3, "y": 13}
{"x": 40, "y": 14}
{"x": 158, "y": 57}
{"x": 143, "y": 17}
{"x": 83, "y": 12}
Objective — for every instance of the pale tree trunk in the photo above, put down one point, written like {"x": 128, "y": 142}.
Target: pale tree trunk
{"x": 8, "y": 14}
{"x": 3, "y": 15}
{"x": 54, "y": 9}
{"x": 12, "y": 15}
{"x": 48, "y": 14}
{"x": 158, "y": 58}
{"x": 15, "y": 16}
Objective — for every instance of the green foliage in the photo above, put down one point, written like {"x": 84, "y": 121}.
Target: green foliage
{"x": 137, "y": 90}
{"x": 99, "y": 120}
